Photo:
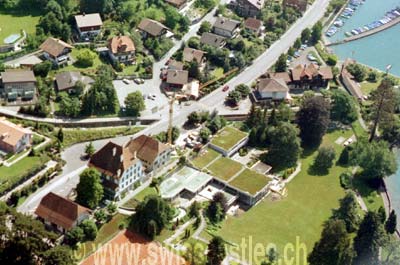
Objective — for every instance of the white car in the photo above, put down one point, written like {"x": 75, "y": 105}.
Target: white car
{"x": 311, "y": 57}
{"x": 126, "y": 81}
{"x": 138, "y": 81}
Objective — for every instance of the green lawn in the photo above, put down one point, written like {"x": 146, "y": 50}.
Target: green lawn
{"x": 309, "y": 203}
{"x": 73, "y": 136}
{"x": 11, "y": 175}
{"x": 88, "y": 70}
{"x": 147, "y": 191}
{"x": 218, "y": 72}
{"x": 224, "y": 168}
{"x": 367, "y": 87}
{"x": 228, "y": 137}
{"x": 205, "y": 158}
{"x": 14, "y": 22}
{"x": 106, "y": 233}
{"x": 250, "y": 181}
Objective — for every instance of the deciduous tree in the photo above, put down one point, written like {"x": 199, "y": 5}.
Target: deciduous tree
{"x": 89, "y": 189}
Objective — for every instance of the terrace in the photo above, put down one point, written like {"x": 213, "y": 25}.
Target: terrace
{"x": 228, "y": 140}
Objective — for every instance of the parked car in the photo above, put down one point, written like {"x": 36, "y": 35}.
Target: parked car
{"x": 138, "y": 81}
{"x": 126, "y": 81}
{"x": 297, "y": 54}
{"x": 311, "y": 57}
{"x": 225, "y": 88}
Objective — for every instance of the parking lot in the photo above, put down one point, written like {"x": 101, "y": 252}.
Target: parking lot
{"x": 302, "y": 59}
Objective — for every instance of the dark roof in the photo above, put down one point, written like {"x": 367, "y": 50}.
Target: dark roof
{"x": 190, "y": 54}
{"x": 17, "y": 76}
{"x": 281, "y": 75}
{"x": 59, "y": 210}
{"x": 67, "y": 80}
{"x": 303, "y": 71}
{"x": 54, "y": 47}
{"x": 226, "y": 24}
{"x": 253, "y": 24}
{"x": 175, "y": 65}
{"x": 146, "y": 148}
{"x": 177, "y": 77}
{"x": 212, "y": 39}
{"x": 259, "y": 4}
{"x": 152, "y": 27}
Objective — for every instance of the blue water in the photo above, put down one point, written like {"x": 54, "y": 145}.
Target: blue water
{"x": 393, "y": 186}
{"x": 377, "y": 50}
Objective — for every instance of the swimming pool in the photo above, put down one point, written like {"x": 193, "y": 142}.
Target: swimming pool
{"x": 12, "y": 38}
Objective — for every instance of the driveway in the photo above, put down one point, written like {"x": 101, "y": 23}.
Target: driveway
{"x": 303, "y": 57}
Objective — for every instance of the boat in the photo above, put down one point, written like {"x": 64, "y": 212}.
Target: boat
{"x": 348, "y": 34}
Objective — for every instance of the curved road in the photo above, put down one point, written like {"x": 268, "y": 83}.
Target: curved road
{"x": 215, "y": 100}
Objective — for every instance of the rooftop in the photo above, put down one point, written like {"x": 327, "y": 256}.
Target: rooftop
{"x": 226, "y": 24}
{"x": 54, "y": 47}
{"x": 88, "y": 20}
{"x": 190, "y": 54}
{"x": 17, "y": 76}
{"x": 177, "y": 77}
{"x": 228, "y": 137}
{"x": 68, "y": 79}
{"x": 212, "y": 39}
{"x": 152, "y": 27}
{"x": 121, "y": 44}
{"x": 11, "y": 133}
{"x": 250, "y": 181}
{"x": 253, "y": 23}
{"x": 272, "y": 85}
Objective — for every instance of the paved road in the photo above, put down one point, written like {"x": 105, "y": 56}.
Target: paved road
{"x": 210, "y": 102}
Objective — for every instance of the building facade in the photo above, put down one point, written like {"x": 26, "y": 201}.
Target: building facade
{"x": 18, "y": 84}
{"x": 14, "y": 138}
{"x": 88, "y": 25}
{"x": 121, "y": 49}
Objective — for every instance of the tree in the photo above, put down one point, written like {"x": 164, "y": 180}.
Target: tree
{"x": 284, "y": 148}
{"x": 193, "y": 118}
{"x": 205, "y": 134}
{"x": 316, "y": 32}
{"x": 216, "y": 123}
{"x": 305, "y": 35}
{"x": 343, "y": 107}
{"x": 369, "y": 238}
{"x": 324, "y": 159}
{"x": 383, "y": 107}
{"x": 313, "y": 120}
{"x": 58, "y": 255}
{"x": 234, "y": 97}
{"x": 348, "y": 212}
{"x": 60, "y": 135}
{"x": 134, "y": 103}
{"x": 85, "y": 58}
{"x": 194, "y": 210}
{"x": 89, "y": 189}
{"x": 194, "y": 71}
{"x": 217, "y": 208}
{"x": 89, "y": 229}
{"x": 75, "y": 235}
{"x": 391, "y": 223}
{"x": 280, "y": 65}
{"x": 194, "y": 253}
{"x": 376, "y": 159}
{"x": 204, "y": 27}
{"x": 42, "y": 69}
{"x": 100, "y": 216}
{"x": 357, "y": 70}
{"x": 334, "y": 247}
{"x": 243, "y": 89}
{"x": 151, "y": 216}
{"x": 112, "y": 208}
{"x": 89, "y": 149}
{"x": 69, "y": 106}
{"x": 216, "y": 251}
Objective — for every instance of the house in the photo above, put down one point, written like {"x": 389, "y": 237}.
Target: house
{"x": 18, "y": 83}
{"x": 175, "y": 65}
{"x": 191, "y": 90}
{"x": 310, "y": 76}
{"x": 66, "y": 81}
{"x": 212, "y": 40}
{"x": 121, "y": 49}
{"x": 349, "y": 83}
{"x": 56, "y": 50}
{"x": 152, "y": 28}
{"x": 61, "y": 213}
{"x": 299, "y": 5}
{"x": 190, "y": 55}
{"x": 13, "y": 138}
{"x": 177, "y": 78}
{"x": 124, "y": 167}
{"x": 226, "y": 27}
{"x": 177, "y": 3}
{"x": 271, "y": 89}
{"x": 28, "y": 62}
{"x": 247, "y": 8}
{"x": 254, "y": 25}
{"x": 88, "y": 25}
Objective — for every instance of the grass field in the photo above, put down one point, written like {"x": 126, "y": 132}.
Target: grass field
{"x": 224, "y": 168}
{"x": 228, "y": 137}
{"x": 250, "y": 181}
{"x": 74, "y": 67}
{"x": 78, "y": 135}
{"x": 206, "y": 157}
{"x": 13, "y": 23}
{"x": 147, "y": 191}
{"x": 301, "y": 214}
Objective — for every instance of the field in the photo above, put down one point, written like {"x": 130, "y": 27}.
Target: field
{"x": 14, "y": 23}
{"x": 88, "y": 70}
{"x": 301, "y": 214}
{"x": 206, "y": 157}
{"x": 228, "y": 138}
{"x": 250, "y": 181}
{"x": 224, "y": 168}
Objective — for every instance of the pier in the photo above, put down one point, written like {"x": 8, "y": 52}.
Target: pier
{"x": 366, "y": 33}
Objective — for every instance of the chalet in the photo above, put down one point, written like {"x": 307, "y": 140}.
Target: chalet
{"x": 177, "y": 78}
{"x": 152, "y": 28}
{"x": 124, "y": 167}
{"x": 226, "y": 27}
{"x": 13, "y": 138}
{"x": 121, "y": 49}
{"x": 213, "y": 40}
{"x": 175, "y": 65}
{"x": 254, "y": 25}
{"x": 18, "y": 83}
{"x": 88, "y": 25}
{"x": 56, "y": 50}
{"x": 66, "y": 81}
{"x": 311, "y": 76}
{"x": 271, "y": 89}
{"x": 190, "y": 55}
{"x": 299, "y": 5}
{"x": 177, "y": 3}
{"x": 61, "y": 213}
{"x": 247, "y": 8}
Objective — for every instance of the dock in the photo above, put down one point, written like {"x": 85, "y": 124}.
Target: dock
{"x": 367, "y": 33}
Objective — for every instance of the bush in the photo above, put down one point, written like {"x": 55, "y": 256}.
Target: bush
{"x": 346, "y": 180}
{"x": 85, "y": 58}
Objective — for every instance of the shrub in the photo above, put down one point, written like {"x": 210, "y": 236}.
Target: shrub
{"x": 346, "y": 180}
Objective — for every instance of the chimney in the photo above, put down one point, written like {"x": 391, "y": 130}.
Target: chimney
{"x": 134, "y": 154}
{"x": 114, "y": 151}
{"x": 121, "y": 158}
